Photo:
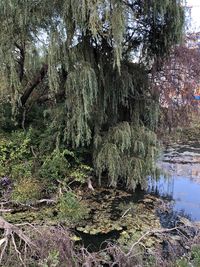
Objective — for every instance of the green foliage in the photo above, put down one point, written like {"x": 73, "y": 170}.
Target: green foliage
{"x": 55, "y": 166}
{"x": 196, "y": 255}
{"x": 93, "y": 88}
{"x": 150, "y": 261}
{"x": 7, "y": 122}
{"x": 182, "y": 263}
{"x": 126, "y": 151}
{"x": 26, "y": 190}
{"x": 70, "y": 208}
{"x": 85, "y": 89}
{"x": 15, "y": 154}
{"x": 21, "y": 170}
{"x": 81, "y": 173}
{"x": 193, "y": 259}
{"x": 51, "y": 261}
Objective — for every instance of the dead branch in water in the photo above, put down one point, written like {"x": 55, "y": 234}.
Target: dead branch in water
{"x": 154, "y": 231}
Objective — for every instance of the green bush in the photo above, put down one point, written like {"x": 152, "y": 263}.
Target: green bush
{"x": 14, "y": 153}
{"x": 182, "y": 263}
{"x": 81, "y": 173}
{"x": 196, "y": 255}
{"x": 194, "y": 259}
{"x": 70, "y": 208}
{"x": 21, "y": 169}
{"x": 54, "y": 167}
{"x": 26, "y": 190}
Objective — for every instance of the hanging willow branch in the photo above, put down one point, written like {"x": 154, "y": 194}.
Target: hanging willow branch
{"x": 88, "y": 52}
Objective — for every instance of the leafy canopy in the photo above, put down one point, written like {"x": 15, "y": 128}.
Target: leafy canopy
{"x": 86, "y": 63}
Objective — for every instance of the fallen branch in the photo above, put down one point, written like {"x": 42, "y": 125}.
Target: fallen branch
{"x": 126, "y": 212}
{"x": 10, "y": 228}
{"x": 34, "y": 203}
{"x": 9, "y": 231}
{"x": 48, "y": 201}
{"x": 6, "y": 210}
{"x": 155, "y": 231}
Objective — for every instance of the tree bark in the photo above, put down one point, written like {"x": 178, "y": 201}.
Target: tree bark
{"x": 21, "y": 60}
{"x": 31, "y": 85}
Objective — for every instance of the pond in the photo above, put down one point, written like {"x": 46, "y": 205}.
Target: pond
{"x": 180, "y": 181}
{"x": 119, "y": 215}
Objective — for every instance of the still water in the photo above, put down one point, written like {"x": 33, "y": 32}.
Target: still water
{"x": 180, "y": 182}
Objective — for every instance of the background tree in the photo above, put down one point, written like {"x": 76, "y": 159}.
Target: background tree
{"x": 177, "y": 82}
{"x": 87, "y": 63}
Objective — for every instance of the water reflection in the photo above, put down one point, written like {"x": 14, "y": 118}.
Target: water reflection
{"x": 180, "y": 182}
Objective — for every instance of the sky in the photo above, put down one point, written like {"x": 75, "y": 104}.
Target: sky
{"x": 195, "y": 14}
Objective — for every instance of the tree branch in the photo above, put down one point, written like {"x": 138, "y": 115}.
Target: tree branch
{"x": 33, "y": 84}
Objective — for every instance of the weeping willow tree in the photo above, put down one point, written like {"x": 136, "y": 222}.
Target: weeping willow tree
{"x": 90, "y": 60}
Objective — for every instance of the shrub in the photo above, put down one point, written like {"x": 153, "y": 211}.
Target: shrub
{"x": 26, "y": 189}
{"x": 70, "y": 208}
{"x": 21, "y": 169}
{"x": 182, "y": 263}
{"x": 55, "y": 166}
{"x": 81, "y": 173}
{"x": 14, "y": 153}
{"x": 196, "y": 255}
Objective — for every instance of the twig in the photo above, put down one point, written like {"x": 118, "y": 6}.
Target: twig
{"x": 6, "y": 210}
{"x": 16, "y": 249}
{"x": 126, "y": 212}
{"x": 149, "y": 233}
{"x": 33, "y": 152}
{"x": 4, "y": 248}
{"x": 48, "y": 201}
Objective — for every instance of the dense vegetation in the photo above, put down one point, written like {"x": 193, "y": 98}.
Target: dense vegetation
{"x": 78, "y": 75}
{"x": 78, "y": 110}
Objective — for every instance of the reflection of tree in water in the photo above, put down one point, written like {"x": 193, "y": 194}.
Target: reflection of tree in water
{"x": 190, "y": 171}
{"x": 182, "y": 160}
{"x": 171, "y": 218}
{"x": 163, "y": 187}
{"x": 181, "y": 166}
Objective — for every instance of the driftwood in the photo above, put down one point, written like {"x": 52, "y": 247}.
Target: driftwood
{"x": 30, "y": 206}
{"x": 10, "y": 231}
{"x": 6, "y": 210}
